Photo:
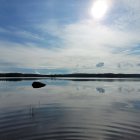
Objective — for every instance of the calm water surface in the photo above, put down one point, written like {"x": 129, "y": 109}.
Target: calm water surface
{"x": 70, "y": 110}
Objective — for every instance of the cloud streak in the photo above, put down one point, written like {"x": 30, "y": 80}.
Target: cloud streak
{"x": 78, "y": 46}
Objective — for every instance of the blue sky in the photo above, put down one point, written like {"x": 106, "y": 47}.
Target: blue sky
{"x": 62, "y": 36}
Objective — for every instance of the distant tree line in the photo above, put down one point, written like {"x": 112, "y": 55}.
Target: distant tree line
{"x": 78, "y": 75}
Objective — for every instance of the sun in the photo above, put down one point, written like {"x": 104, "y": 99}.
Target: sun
{"x": 99, "y": 9}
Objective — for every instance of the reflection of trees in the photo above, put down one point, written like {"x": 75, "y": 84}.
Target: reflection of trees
{"x": 127, "y": 89}
{"x": 18, "y": 79}
{"x": 100, "y": 90}
{"x": 119, "y": 89}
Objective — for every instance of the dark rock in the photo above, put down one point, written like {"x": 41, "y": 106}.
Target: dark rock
{"x": 38, "y": 84}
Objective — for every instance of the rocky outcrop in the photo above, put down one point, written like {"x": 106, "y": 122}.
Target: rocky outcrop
{"x": 38, "y": 84}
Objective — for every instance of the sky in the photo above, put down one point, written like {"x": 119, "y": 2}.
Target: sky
{"x": 70, "y": 36}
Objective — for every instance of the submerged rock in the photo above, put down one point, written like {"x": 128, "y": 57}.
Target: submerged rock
{"x": 38, "y": 84}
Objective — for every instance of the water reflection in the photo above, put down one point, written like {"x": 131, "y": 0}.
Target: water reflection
{"x": 67, "y": 109}
{"x": 100, "y": 90}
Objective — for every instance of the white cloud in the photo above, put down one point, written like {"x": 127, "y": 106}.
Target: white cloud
{"x": 127, "y": 16}
{"x": 84, "y": 44}
{"x": 81, "y": 45}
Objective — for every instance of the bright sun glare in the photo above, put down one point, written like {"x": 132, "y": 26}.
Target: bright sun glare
{"x": 99, "y": 9}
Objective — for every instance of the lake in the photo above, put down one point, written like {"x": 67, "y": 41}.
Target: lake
{"x": 70, "y": 109}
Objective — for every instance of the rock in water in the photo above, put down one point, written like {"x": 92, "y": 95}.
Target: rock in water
{"x": 38, "y": 84}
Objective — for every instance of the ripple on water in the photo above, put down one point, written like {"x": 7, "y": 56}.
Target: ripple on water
{"x": 53, "y": 122}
